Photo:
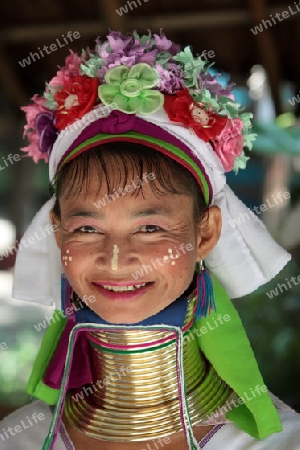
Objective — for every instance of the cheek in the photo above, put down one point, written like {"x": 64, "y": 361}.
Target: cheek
{"x": 72, "y": 258}
{"x": 178, "y": 263}
{"x": 66, "y": 257}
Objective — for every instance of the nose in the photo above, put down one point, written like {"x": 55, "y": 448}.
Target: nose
{"x": 118, "y": 255}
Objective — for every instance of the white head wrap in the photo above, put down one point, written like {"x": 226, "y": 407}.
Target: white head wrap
{"x": 245, "y": 257}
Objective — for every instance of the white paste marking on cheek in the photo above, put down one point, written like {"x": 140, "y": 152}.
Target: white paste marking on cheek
{"x": 67, "y": 258}
{"x": 171, "y": 256}
{"x": 115, "y": 258}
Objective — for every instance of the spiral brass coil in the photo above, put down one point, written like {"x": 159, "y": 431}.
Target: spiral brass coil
{"x": 134, "y": 396}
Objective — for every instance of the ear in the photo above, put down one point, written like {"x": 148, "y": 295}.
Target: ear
{"x": 208, "y": 232}
{"x": 57, "y": 233}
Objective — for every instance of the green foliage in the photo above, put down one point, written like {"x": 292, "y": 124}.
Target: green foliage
{"x": 272, "y": 325}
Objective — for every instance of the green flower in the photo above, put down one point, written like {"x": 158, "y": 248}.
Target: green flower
{"x": 130, "y": 89}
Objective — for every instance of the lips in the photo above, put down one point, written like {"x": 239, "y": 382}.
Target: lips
{"x": 123, "y": 290}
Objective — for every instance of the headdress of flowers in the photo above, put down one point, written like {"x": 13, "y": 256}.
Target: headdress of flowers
{"x": 140, "y": 75}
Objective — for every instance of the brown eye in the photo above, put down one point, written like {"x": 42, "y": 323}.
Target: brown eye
{"x": 86, "y": 229}
{"x": 149, "y": 228}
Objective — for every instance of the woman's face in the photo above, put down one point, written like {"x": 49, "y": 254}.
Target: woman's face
{"x": 135, "y": 254}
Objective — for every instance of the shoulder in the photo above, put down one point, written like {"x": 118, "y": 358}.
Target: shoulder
{"x": 232, "y": 438}
{"x": 26, "y": 428}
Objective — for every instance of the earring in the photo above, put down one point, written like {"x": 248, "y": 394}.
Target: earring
{"x": 205, "y": 293}
{"x": 66, "y": 293}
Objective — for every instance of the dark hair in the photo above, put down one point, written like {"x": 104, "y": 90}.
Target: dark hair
{"x": 128, "y": 157}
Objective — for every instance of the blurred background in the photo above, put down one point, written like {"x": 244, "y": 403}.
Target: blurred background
{"x": 254, "y": 45}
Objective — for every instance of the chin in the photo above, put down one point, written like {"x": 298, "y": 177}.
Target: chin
{"x": 125, "y": 319}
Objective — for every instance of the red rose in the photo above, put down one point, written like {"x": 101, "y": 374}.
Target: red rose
{"x": 76, "y": 99}
{"x": 178, "y": 106}
{"x": 182, "y": 108}
{"x": 230, "y": 143}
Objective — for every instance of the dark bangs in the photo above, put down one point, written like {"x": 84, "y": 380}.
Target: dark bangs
{"x": 131, "y": 162}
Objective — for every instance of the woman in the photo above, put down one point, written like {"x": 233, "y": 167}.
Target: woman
{"x": 147, "y": 350}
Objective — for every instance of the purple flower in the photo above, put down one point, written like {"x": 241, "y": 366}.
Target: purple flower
{"x": 165, "y": 45}
{"x": 47, "y": 132}
{"x": 118, "y": 42}
{"x": 127, "y": 51}
{"x": 171, "y": 79}
{"x": 209, "y": 82}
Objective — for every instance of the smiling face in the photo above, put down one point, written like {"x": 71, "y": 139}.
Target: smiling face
{"x": 134, "y": 252}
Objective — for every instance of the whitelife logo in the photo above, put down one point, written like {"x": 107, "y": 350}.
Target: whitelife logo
{"x": 275, "y": 201}
{"x": 22, "y": 425}
{"x": 39, "y": 235}
{"x": 279, "y": 17}
{"x": 11, "y": 159}
{"x": 53, "y": 47}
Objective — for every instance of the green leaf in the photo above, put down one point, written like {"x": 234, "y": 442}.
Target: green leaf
{"x": 91, "y": 66}
{"x": 163, "y": 58}
{"x": 240, "y": 162}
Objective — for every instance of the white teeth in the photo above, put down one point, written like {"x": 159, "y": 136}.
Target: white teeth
{"x": 123, "y": 288}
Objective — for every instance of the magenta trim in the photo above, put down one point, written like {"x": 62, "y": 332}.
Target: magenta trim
{"x": 65, "y": 438}
{"x": 124, "y": 347}
{"x": 210, "y": 435}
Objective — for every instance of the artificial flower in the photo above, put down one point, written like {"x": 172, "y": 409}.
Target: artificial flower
{"x": 182, "y": 108}
{"x": 170, "y": 79}
{"x": 32, "y": 111}
{"x": 33, "y": 150}
{"x": 70, "y": 70}
{"x": 127, "y": 51}
{"x": 130, "y": 89}
{"x": 165, "y": 45}
{"x": 91, "y": 65}
{"x": 137, "y": 74}
{"x": 209, "y": 82}
{"x": 77, "y": 97}
{"x": 229, "y": 144}
{"x": 47, "y": 132}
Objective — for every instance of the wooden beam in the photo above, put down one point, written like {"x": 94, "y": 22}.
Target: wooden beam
{"x": 267, "y": 49}
{"x": 10, "y": 81}
{"x": 180, "y": 22}
{"x": 113, "y": 21}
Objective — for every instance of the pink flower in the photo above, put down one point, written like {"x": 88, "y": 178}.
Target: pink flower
{"x": 70, "y": 70}
{"x": 32, "y": 111}
{"x": 229, "y": 143}
{"x": 33, "y": 150}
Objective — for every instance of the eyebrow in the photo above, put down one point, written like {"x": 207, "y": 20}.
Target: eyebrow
{"x": 161, "y": 210}
{"x": 80, "y": 213}
{"x": 150, "y": 211}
